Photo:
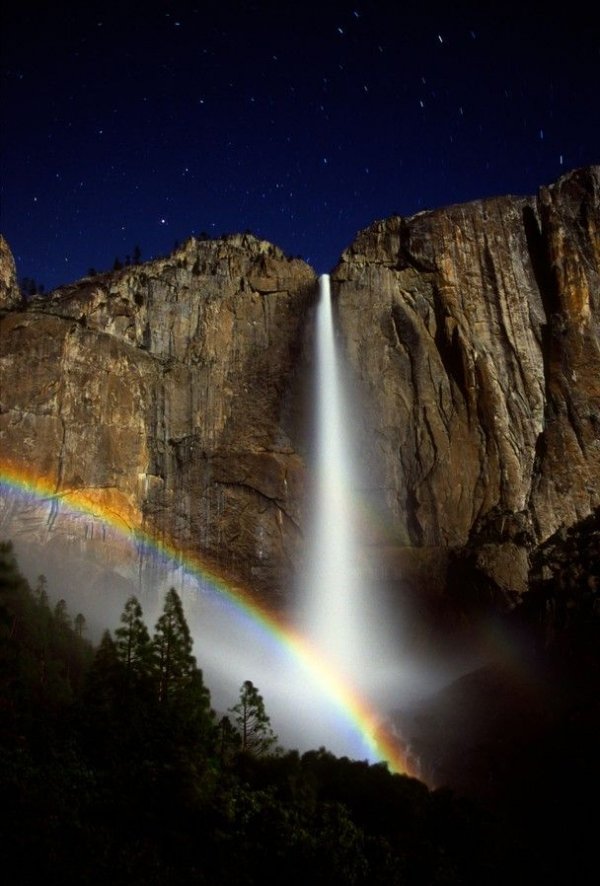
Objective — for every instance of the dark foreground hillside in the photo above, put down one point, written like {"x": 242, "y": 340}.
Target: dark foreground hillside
{"x": 520, "y": 735}
{"x": 115, "y": 769}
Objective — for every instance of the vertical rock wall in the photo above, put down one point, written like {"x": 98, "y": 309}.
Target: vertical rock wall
{"x": 474, "y": 334}
{"x": 170, "y": 392}
{"x": 160, "y": 392}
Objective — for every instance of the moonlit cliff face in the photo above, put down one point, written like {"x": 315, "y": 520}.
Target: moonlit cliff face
{"x": 161, "y": 392}
{"x": 172, "y": 391}
{"x": 475, "y": 333}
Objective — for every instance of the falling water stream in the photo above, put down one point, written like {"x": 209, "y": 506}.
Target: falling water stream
{"x": 334, "y": 581}
{"x": 345, "y": 627}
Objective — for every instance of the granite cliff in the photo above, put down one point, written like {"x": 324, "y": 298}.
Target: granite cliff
{"x": 476, "y": 331}
{"x": 159, "y": 392}
{"x": 172, "y": 392}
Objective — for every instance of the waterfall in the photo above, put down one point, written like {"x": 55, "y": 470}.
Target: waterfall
{"x": 333, "y": 577}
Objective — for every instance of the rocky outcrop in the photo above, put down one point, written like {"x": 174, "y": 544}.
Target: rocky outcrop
{"x": 161, "y": 393}
{"x": 497, "y": 733}
{"x": 564, "y": 596}
{"x": 474, "y": 332}
{"x": 10, "y": 294}
{"x": 172, "y": 390}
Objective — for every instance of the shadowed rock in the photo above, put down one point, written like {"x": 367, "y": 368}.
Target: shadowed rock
{"x": 172, "y": 391}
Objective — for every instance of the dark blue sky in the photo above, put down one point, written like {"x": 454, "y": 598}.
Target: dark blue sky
{"x": 140, "y": 124}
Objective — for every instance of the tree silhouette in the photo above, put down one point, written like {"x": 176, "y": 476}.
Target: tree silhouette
{"x": 79, "y": 624}
{"x": 104, "y": 676}
{"x": 40, "y": 589}
{"x": 174, "y": 662}
{"x": 132, "y": 638}
{"x": 181, "y": 693}
{"x": 61, "y": 614}
{"x": 228, "y": 739}
{"x": 30, "y": 287}
{"x": 252, "y": 721}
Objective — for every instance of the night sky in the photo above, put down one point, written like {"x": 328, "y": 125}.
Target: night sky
{"x": 140, "y": 124}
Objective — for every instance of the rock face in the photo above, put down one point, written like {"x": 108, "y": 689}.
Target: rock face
{"x": 475, "y": 333}
{"x": 172, "y": 389}
{"x": 160, "y": 392}
{"x": 10, "y": 295}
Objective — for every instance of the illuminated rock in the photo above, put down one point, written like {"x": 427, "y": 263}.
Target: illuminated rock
{"x": 173, "y": 390}
{"x": 474, "y": 334}
{"x": 165, "y": 386}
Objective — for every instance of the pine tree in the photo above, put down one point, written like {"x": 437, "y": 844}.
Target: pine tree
{"x": 172, "y": 645}
{"x": 105, "y": 675}
{"x": 228, "y": 739}
{"x": 133, "y": 644}
{"x": 40, "y": 589}
{"x": 61, "y": 614}
{"x": 79, "y": 624}
{"x": 252, "y": 721}
{"x": 181, "y": 691}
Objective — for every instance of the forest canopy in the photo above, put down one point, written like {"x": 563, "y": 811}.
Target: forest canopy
{"x": 114, "y": 767}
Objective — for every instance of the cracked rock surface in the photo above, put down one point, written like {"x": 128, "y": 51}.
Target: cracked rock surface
{"x": 161, "y": 390}
{"x": 474, "y": 332}
{"x": 172, "y": 390}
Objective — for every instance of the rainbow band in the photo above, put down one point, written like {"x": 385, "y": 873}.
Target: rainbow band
{"x": 115, "y": 511}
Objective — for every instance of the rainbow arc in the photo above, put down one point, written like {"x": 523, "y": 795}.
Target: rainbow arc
{"x": 19, "y": 485}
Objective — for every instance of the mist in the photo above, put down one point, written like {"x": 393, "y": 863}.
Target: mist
{"x": 357, "y": 623}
